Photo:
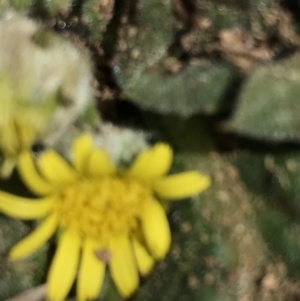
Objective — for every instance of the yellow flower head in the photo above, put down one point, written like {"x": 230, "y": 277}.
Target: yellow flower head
{"x": 104, "y": 216}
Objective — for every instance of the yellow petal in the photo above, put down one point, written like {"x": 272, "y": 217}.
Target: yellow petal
{"x": 123, "y": 266}
{"x": 100, "y": 164}
{"x": 181, "y": 185}
{"x": 34, "y": 240}
{"x": 55, "y": 169}
{"x": 91, "y": 273}
{"x": 82, "y": 148}
{"x": 152, "y": 163}
{"x": 144, "y": 260}
{"x": 64, "y": 266}
{"x": 24, "y": 208}
{"x": 156, "y": 230}
{"x": 7, "y": 167}
{"x": 31, "y": 177}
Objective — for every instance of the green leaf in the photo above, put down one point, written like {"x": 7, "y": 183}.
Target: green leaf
{"x": 276, "y": 177}
{"x": 282, "y": 236}
{"x": 16, "y": 277}
{"x": 199, "y": 88}
{"x": 55, "y": 6}
{"x": 246, "y": 4}
{"x": 144, "y": 40}
{"x": 269, "y": 104}
{"x": 96, "y": 15}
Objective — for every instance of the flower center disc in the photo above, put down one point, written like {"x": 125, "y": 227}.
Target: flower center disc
{"x": 102, "y": 207}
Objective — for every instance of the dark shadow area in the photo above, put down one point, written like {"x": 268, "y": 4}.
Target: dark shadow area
{"x": 198, "y": 133}
{"x": 15, "y": 186}
{"x": 293, "y": 6}
{"x": 110, "y": 37}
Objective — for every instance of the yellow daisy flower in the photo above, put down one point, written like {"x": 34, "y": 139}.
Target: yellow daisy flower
{"x": 104, "y": 216}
